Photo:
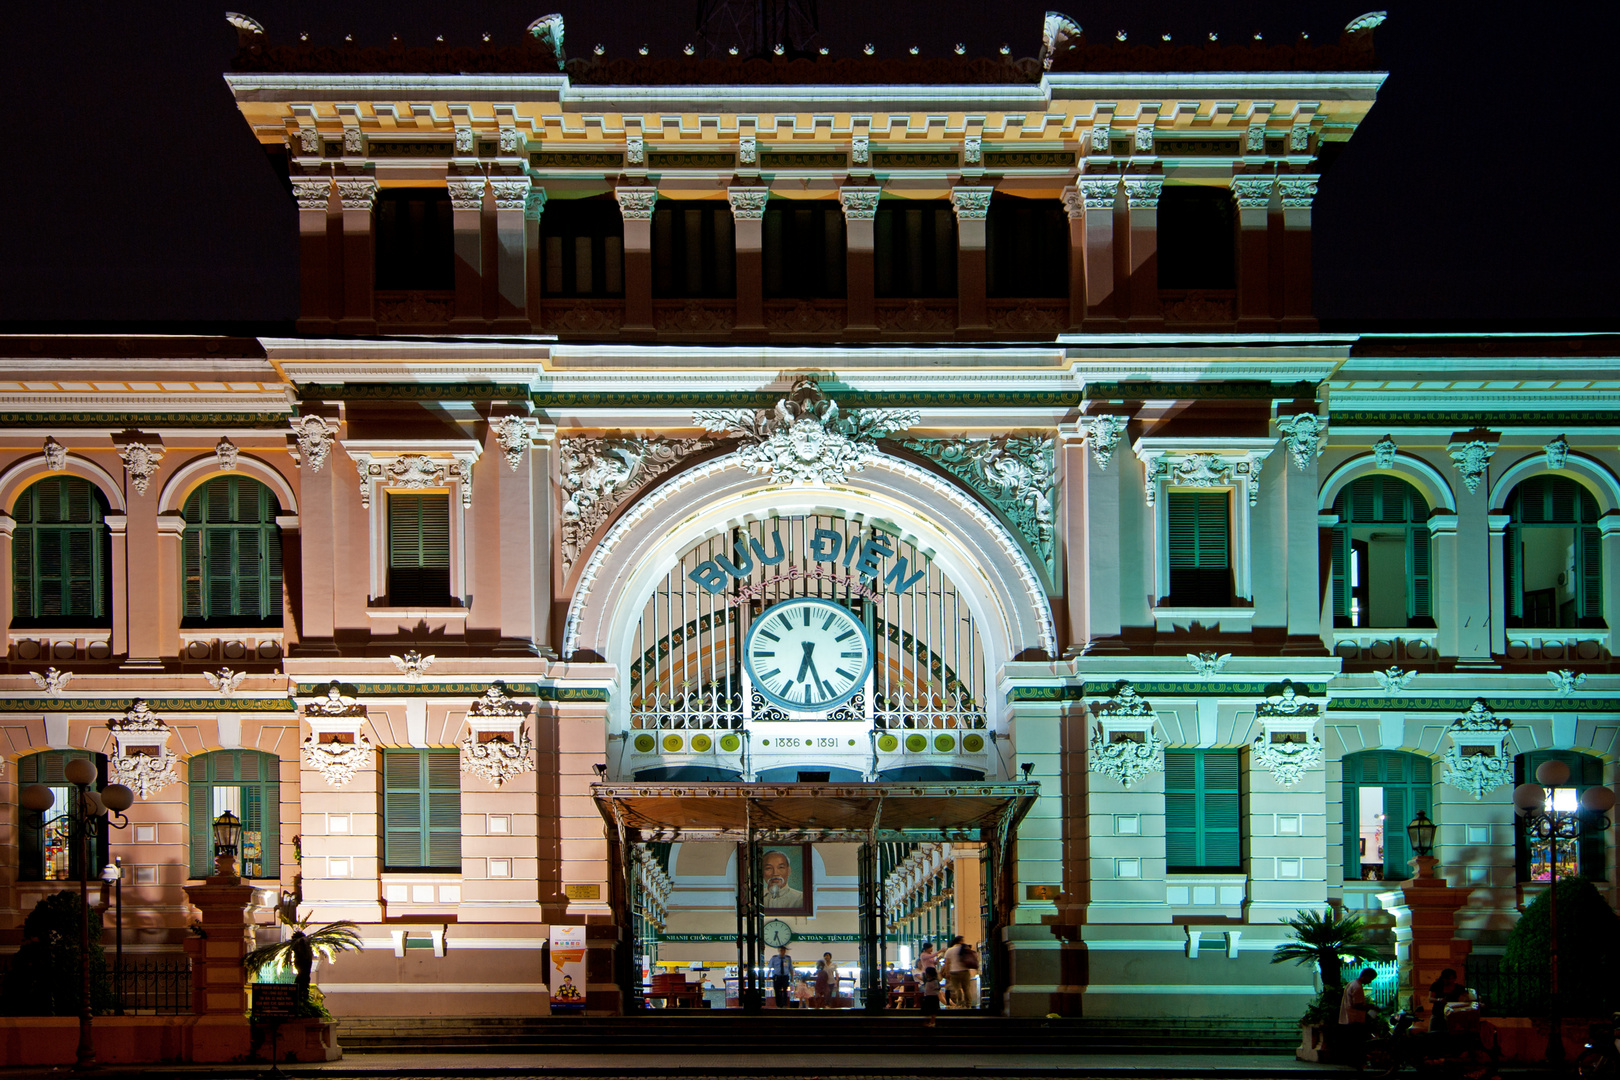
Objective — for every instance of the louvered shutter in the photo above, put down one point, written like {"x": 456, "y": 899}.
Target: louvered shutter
{"x": 191, "y": 572}
{"x": 1419, "y": 590}
{"x": 1340, "y": 555}
{"x": 1180, "y": 809}
{"x": 200, "y": 777}
{"x": 443, "y": 840}
{"x": 31, "y": 856}
{"x": 1590, "y": 546}
{"x": 403, "y": 797}
{"x": 24, "y": 583}
{"x": 419, "y": 549}
{"x": 270, "y": 787}
{"x": 1222, "y": 824}
{"x": 1351, "y": 831}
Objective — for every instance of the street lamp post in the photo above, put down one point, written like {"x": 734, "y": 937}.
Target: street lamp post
{"x": 86, "y": 810}
{"x": 1537, "y": 804}
{"x": 114, "y": 873}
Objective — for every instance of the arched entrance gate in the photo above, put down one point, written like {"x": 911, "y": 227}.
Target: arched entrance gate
{"x": 809, "y": 656}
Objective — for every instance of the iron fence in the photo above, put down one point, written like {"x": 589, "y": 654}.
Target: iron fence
{"x": 159, "y": 983}
{"x": 1504, "y": 991}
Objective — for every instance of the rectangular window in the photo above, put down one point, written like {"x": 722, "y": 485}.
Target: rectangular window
{"x": 419, "y": 550}
{"x": 415, "y": 244}
{"x": 1203, "y": 810}
{"x": 1200, "y": 548}
{"x": 694, "y": 251}
{"x": 422, "y": 809}
{"x": 582, "y": 248}
{"x": 248, "y": 784}
{"x": 804, "y": 250}
{"x": 915, "y": 249}
{"x": 1026, "y": 248}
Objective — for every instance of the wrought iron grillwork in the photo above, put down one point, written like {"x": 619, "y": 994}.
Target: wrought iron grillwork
{"x": 686, "y": 672}
{"x": 156, "y": 984}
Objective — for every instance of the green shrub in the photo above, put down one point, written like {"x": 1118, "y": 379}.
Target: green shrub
{"x": 44, "y": 977}
{"x": 1588, "y": 950}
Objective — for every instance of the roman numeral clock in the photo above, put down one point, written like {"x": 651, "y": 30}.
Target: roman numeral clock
{"x": 807, "y": 655}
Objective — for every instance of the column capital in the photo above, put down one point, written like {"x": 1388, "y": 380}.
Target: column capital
{"x": 357, "y": 192}
{"x": 1142, "y": 192}
{"x": 1073, "y": 202}
{"x": 1099, "y": 192}
{"x": 859, "y": 203}
{"x": 1252, "y": 192}
{"x": 466, "y": 192}
{"x": 1298, "y": 192}
{"x": 534, "y": 203}
{"x": 971, "y": 203}
{"x": 748, "y": 203}
{"x": 636, "y": 203}
{"x": 312, "y": 192}
{"x": 511, "y": 192}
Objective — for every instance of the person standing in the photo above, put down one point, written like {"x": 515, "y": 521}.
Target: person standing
{"x": 829, "y": 1000}
{"x": 820, "y": 1000}
{"x": 929, "y": 1000}
{"x": 958, "y": 976}
{"x": 780, "y": 970}
{"x": 926, "y": 959}
{"x": 1354, "y": 1011}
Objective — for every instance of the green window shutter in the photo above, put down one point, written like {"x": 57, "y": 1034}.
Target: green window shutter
{"x": 270, "y": 799}
{"x": 1180, "y": 809}
{"x": 443, "y": 811}
{"x": 201, "y": 793}
{"x": 403, "y": 798}
{"x": 1203, "y": 809}
{"x": 231, "y": 553}
{"x": 1199, "y": 547}
{"x": 1419, "y": 591}
{"x": 1589, "y": 550}
{"x": 24, "y": 583}
{"x": 31, "y": 856}
{"x": 1351, "y": 829}
{"x": 1340, "y": 555}
{"x": 419, "y": 549}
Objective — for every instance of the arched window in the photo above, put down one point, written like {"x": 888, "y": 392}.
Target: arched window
{"x": 248, "y": 784}
{"x": 1554, "y": 555}
{"x": 61, "y": 560}
{"x": 1383, "y": 791}
{"x": 1586, "y": 857}
{"x": 48, "y": 853}
{"x": 231, "y": 551}
{"x": 1382, "y": 555}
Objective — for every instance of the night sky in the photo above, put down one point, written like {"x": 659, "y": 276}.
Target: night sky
{"x": 1479, "y": 192}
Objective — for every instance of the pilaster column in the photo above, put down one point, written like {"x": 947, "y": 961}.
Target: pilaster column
{"x": 318, "y": 529}
{"x": 143, "y": 587}
{"x": 1253, "y": 197}
{"x": 118, "y": 536}
{"x": 314, "y": 195}
{"x": 358, "y": 194}
{"x": 1287, "y": 838}
{"x": 860, "y": 214}
{"x": 533, "y": 206}
{"x": 1106, "y": 497}
{"x": 1425, "y": 911}
{"x": 8, "y": 526}
{"x": 1609, "y": 533}
{"x": 511, "y": 256}
{"x": 1297, "y": 193}
{"x": 1305, "y": 435}
{"x": 467, "y": 225}
{"x": 170, "y": 528}
{"x": 1497, "y": 524}
{"x": 636, "y": 206}
{"x": 1075, "y": 205}
{"x": 1443, "y": 535}
{"x": 1142, "y": 258}
{"x": 972, "y": 206}
{"x": 1473, "y": 555}
{"x": 748, "y": 221}
{"x": 1070, "y": 527}
{"x": 1097, "y": 194}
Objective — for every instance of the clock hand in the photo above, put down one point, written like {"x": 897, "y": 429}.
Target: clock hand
{"x": 815, "y": 676}
{"x": 808, "y": 665}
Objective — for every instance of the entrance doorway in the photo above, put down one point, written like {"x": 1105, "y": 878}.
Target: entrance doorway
{"x": 865, "y": 872}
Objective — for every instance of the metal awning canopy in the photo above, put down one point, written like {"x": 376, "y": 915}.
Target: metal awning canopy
{"x": 918, "y": 812}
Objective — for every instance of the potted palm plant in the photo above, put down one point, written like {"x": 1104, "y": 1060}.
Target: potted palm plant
{"x": 300, "y": 953}
{"x": 1329, "y": 939}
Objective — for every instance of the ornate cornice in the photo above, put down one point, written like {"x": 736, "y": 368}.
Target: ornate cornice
{"x": 805, "y": 439}
{"x": 598, "y": 475}
{"x": 1015, "y": 474}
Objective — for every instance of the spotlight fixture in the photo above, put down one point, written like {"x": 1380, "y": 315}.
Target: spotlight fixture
{"x": 1028, "y": 767}
{"x": 601, "y": 770}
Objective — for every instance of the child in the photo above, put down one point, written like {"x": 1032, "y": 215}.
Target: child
{"x": 930, "y": 994}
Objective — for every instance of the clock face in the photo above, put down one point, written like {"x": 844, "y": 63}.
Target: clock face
{"x": 807, "y": 655}
{"x": 777, "y": 933}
